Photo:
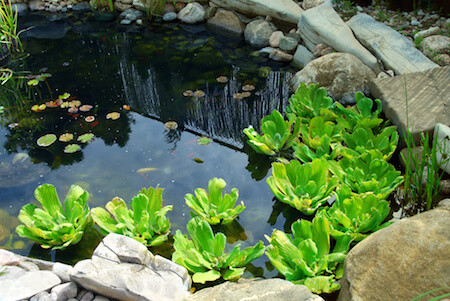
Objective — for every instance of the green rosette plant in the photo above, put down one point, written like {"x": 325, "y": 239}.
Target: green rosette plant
{"x": 362, "y": 139}
{"x": 215, "y": 207}
{"x": 309, "y": 102}
{"x": 367, "y": 173}
{"x": 354, "y": 217}
{"x": 303, "y": 186}
{"x": 306, "y": 258}
{"x": 360, "y": 115}
{"x": 204, "y": 255}
{"x": 54, "y": 226}
{"x": 278, "y": 134}
{"x": 146, "y": 221}
{"x": 323, "y": 149}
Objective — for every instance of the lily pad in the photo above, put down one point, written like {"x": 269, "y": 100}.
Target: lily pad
{"x": 38, "y": 108}
{"x": 188, "y": 93}
{"x": 126, "y": 107}
{"x": 222, "y": 79}
{"x": 71, "y": 148}
{"x": 198, "y": 160}
{"x": 248, "y": 88}
{"x": 113, "y": 115}
{"x": 203, "y": 140}
{"x": 85, "y": 138}
{"x": 64, "y": 104}
{"x": 85, "y": 108}
{"x": 73, "y": 110}
{"x": 2, "y": 109}
{"x": 33, "y": 82}
{"x": 66, "y": 137}
{"x": 74, "y": 103}
{"x": 89, "y": 118}
{"x": 46, "y": 140}
{"x": 171, "y": 125}
{"x": 199, "y": 93}
{"x": 64, "y": 96}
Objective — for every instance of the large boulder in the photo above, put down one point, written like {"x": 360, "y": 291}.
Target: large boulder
{"x": 425, "y": 94}
{"x": 284, "y": 10}
{"x": 342, "y": 74}
{"x": 402, "y": 261}
{"x": 257, "y": 289}
{"x": 322, "y": 24}
{"x": 192, "y": 13}
{"x": 258, "y": 33}
{"x": 122, "y": 268}
{"x": 226, "y": 20}
{"x": 392, "y": 48}
{"x": 436, "y": 44}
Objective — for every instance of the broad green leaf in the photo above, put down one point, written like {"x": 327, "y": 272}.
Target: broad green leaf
{"x": 210, "y": 275}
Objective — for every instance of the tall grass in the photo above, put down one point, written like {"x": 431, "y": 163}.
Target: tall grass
{"x": 8, "y": 27}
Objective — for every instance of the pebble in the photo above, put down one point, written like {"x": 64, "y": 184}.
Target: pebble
{"x": 139, "y": 22}
{"x": 125, "y": 22}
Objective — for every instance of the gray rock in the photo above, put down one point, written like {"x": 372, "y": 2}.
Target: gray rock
{"x": 428, "y": 95}
{"x": 89, "y": 296}
{"x": 82, "y": 7}
{"x": 125, "y": 22}
{"x": 435, "y": 45}
{"x": 140, "y": 5}
{"x": 42, "y": 296}
{"x": 139, "y": 22}
{"x": 65, "y": 291}
{"x": 228, "y": 21}
{"x": 283, "y": 10}
{"x": 210, "y": 11}
{"x": 302, "y": 57}
{"x": 131, "y": 14}
{"x": 171, "y": 16}
{"x": 62, "y": 271}
{"x": 116, "y": 264}
{"x": 321, "y": 50}
{"x": 27, "y": 285}
{"x": 342, "y": 74}
{"x": 257, "y": 33}
{"x": 11, "y": 273}
{"x": 392, "y": 48}
{"x": 192, "y": 13}
{"x": 391, "y": 257}
{"x": 274, "y": 40}
{"x": 295, "y": 35}
{"x": 426, "y": 33}
{"x": 256, "y": 289}
{"x": 442, "y": 59}
{"x": 442, "y": 135}
{"x": 8, "y": 258}
{"x": 100, "y": 298}
{"x": 266, "y": 51}
{"x": 322, "y": 24}
{"x": 42, "y": 264}
{"x": 28, "y": 266}
{"x": 307, "y": 4}
{"x": 444, "y": 204}
{"x": 280, "y": 56}
{"x": 36, "y": 5}
{"x": 288, "y": 44}
{"x": 20, "y": 8}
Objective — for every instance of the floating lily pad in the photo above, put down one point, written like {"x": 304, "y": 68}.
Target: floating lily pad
{"x": 126, "y": 107}
{"x": 222, "y": 79}
{"x": 52, "y": 104}
{"x": 64, "y": 104}
{"x": 74, "y": 103}
{"x": 33, "y": 82}
{"x": 203, "y": 140}
{"x": 73, "y": 110}
{"x": 248, "y": 88}
{"x": 13, "y": 125}
{"x": 113, "y": 115}
{"x": 85, "y": 138}
{"x": 198, "y": 160}
{"x": 46, "y": 140}
{"x": 246, "y": 94}
{"x": 171, "y": 125}
{"x": 188, "y": 93}
{"x": 2, "y": 109}
{"x": 64, "y": 96}
{"x": 85, "y": 108}
{"x": 199, "y": 93}
{"x": 38, "y": 108}
{"x": 71, "y": 148}
{"x": 89, "y": 118}
{"x": 66, "y": 137}
{"x": 238, "y": 96}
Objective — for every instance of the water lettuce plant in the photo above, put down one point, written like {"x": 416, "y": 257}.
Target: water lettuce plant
{"x": 303, "y": 186}
{"x": 278, "y": 134}
{"x": 204, "y": 255}
{"x": 146, "y": 221}
{"x": 367, "y": 173}
{"x": 306, "y": 258}
{"x": 362, "y": 114}
{"x": 54, "y": 226}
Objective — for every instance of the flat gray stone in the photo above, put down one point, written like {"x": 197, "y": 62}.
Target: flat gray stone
{"x": 27, "y": 285}
{"x": 392, "y": 48}
{"x": 126, "y": 249}
{"x": 302, "y": 57}
{"x": 65, "y": 291}
{"x": 228, "y": 21}
{"x": 288, "y": 44}
{"x": 426, "y": 33}
{"x": 322, "y": 25}
{"x": 62, "y": 271}
{"x": 170, "y": 16}
{"x": 256, "y": 289}
{"x": 42, "y": 296}
{"x": 428, "y": 95}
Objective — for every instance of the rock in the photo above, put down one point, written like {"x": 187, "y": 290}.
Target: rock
{"x": 392, "y": 48}
{"x": 442, "y": 135}
{"x": 426, "y": 33}
{"x": 288, "y": 44}
{"x": 256, "y": 289}
{"x": 37, "y": 5}
{"x": 192, "y": 13}
{"x": 390, "y": 257}
{"x": 280, "y": 56}
{"x": 127, "y": 1}
{"x": 307, "y": 4}
{"x": 442, "y": 59}
{"x": 322, "y": 24}
{"x": 82, "y": 7}
{"x": 321, "y": 50}
{"x": 27, "y": 284}
{"x": 100, "y": 298}
{"x": 171, "y": 16}
{"x": 210, "y": 11}
{"x": 116, "y": 264}
{"x": 139, "y": 22}
{"x": 20, "y": 8}
{"x": 42, "y": 296}
{"x": 42, "y": 264}
{"x": 274, "y": 40}
{"x": 85, "y": 295}
{"x": 65, "y": 291}
{"x": 435, "y": 45}
{"x": 428, "y": 97}
{"x": 62, "y": 271}
{"x": 119, "y": 6}
{"x": 302, "y": 57}
{"x": 226, "y": 20}
{"x": 140, "y": 5}
{"x": 257, "y": 33}
{"x": 8, "y": 258}
{"x": 444, "y": 204}
{"x": 125, "y": 22}
{"x": 342, "y": 74}
{"x": 28, "y": 266}
{"x": 283, "y": 10}
{"x": 295, "y": 35}
{"x": 266, "y": 51}
{"x": 417, "y": 152}
{"x": 169, "y": 8}
{"x": 444, "y": 186}
{"x": 131, "y": 14}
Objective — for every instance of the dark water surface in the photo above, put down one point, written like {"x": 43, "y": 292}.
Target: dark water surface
{"x": 148, "y": 68}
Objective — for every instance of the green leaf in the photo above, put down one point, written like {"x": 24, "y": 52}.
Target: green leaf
{"x": 321, "y": 284}
{"x": 46, "y": 140}
{"x": 85, "y": 138}
{"x": 203, "y": 141}
{"x": 210, "y": 275}
{"x": 71, "y": 148}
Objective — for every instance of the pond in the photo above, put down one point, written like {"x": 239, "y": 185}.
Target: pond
{"x": 141, "y": 73}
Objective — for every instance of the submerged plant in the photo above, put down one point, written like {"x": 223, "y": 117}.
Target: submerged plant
{"x": 306, "y": 258}
{"x": 303, "y": 186}
{"x": 146, "y": 221}
{"x": 214, "y": 207}
{"x": 55, "y": 226}
{"x": 204, "y": 255}
{"x": 278, "y": 134}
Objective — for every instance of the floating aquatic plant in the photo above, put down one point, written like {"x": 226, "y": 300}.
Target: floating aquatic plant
{"x": 85, "y": 138}
{"x": 198, "y": 160}
{"x": 89, "y": 118}
{"x": 64, "y": 105}
{"x": 203, "y": 140}
{"x": 2, "y": 109}
{"x": 188, "y": 93}
{"x": 199, "y": 93}
{"x": 248, "y": 88}
{"x": 171, "y": 125}
{"x": 113, "y": 115}
{"x": 73, "y": 110}
{"x": 222, "y": 79}
{"x": 64, "y": 96}
{"x": 46, "y": 140}
{"x": 71, "y": 148}
{"x": 38, "y": 108}
{"x": 85, "y": 108}
{"x": 74, "y": 103}
{"x": 66, "y": 137}
{"x": 126, "y": 107}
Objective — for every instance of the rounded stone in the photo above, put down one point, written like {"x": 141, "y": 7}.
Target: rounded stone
{"x": 258, "y": 33}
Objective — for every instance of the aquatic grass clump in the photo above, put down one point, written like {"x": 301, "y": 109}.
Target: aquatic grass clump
{"x": 8, "y": 27}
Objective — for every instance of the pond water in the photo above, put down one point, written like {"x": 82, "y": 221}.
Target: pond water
{"x": 147, "y": 68}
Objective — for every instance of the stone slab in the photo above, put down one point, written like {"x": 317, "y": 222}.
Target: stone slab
{"x": 428, "y": 96}
{"x": 392, "y": 48}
